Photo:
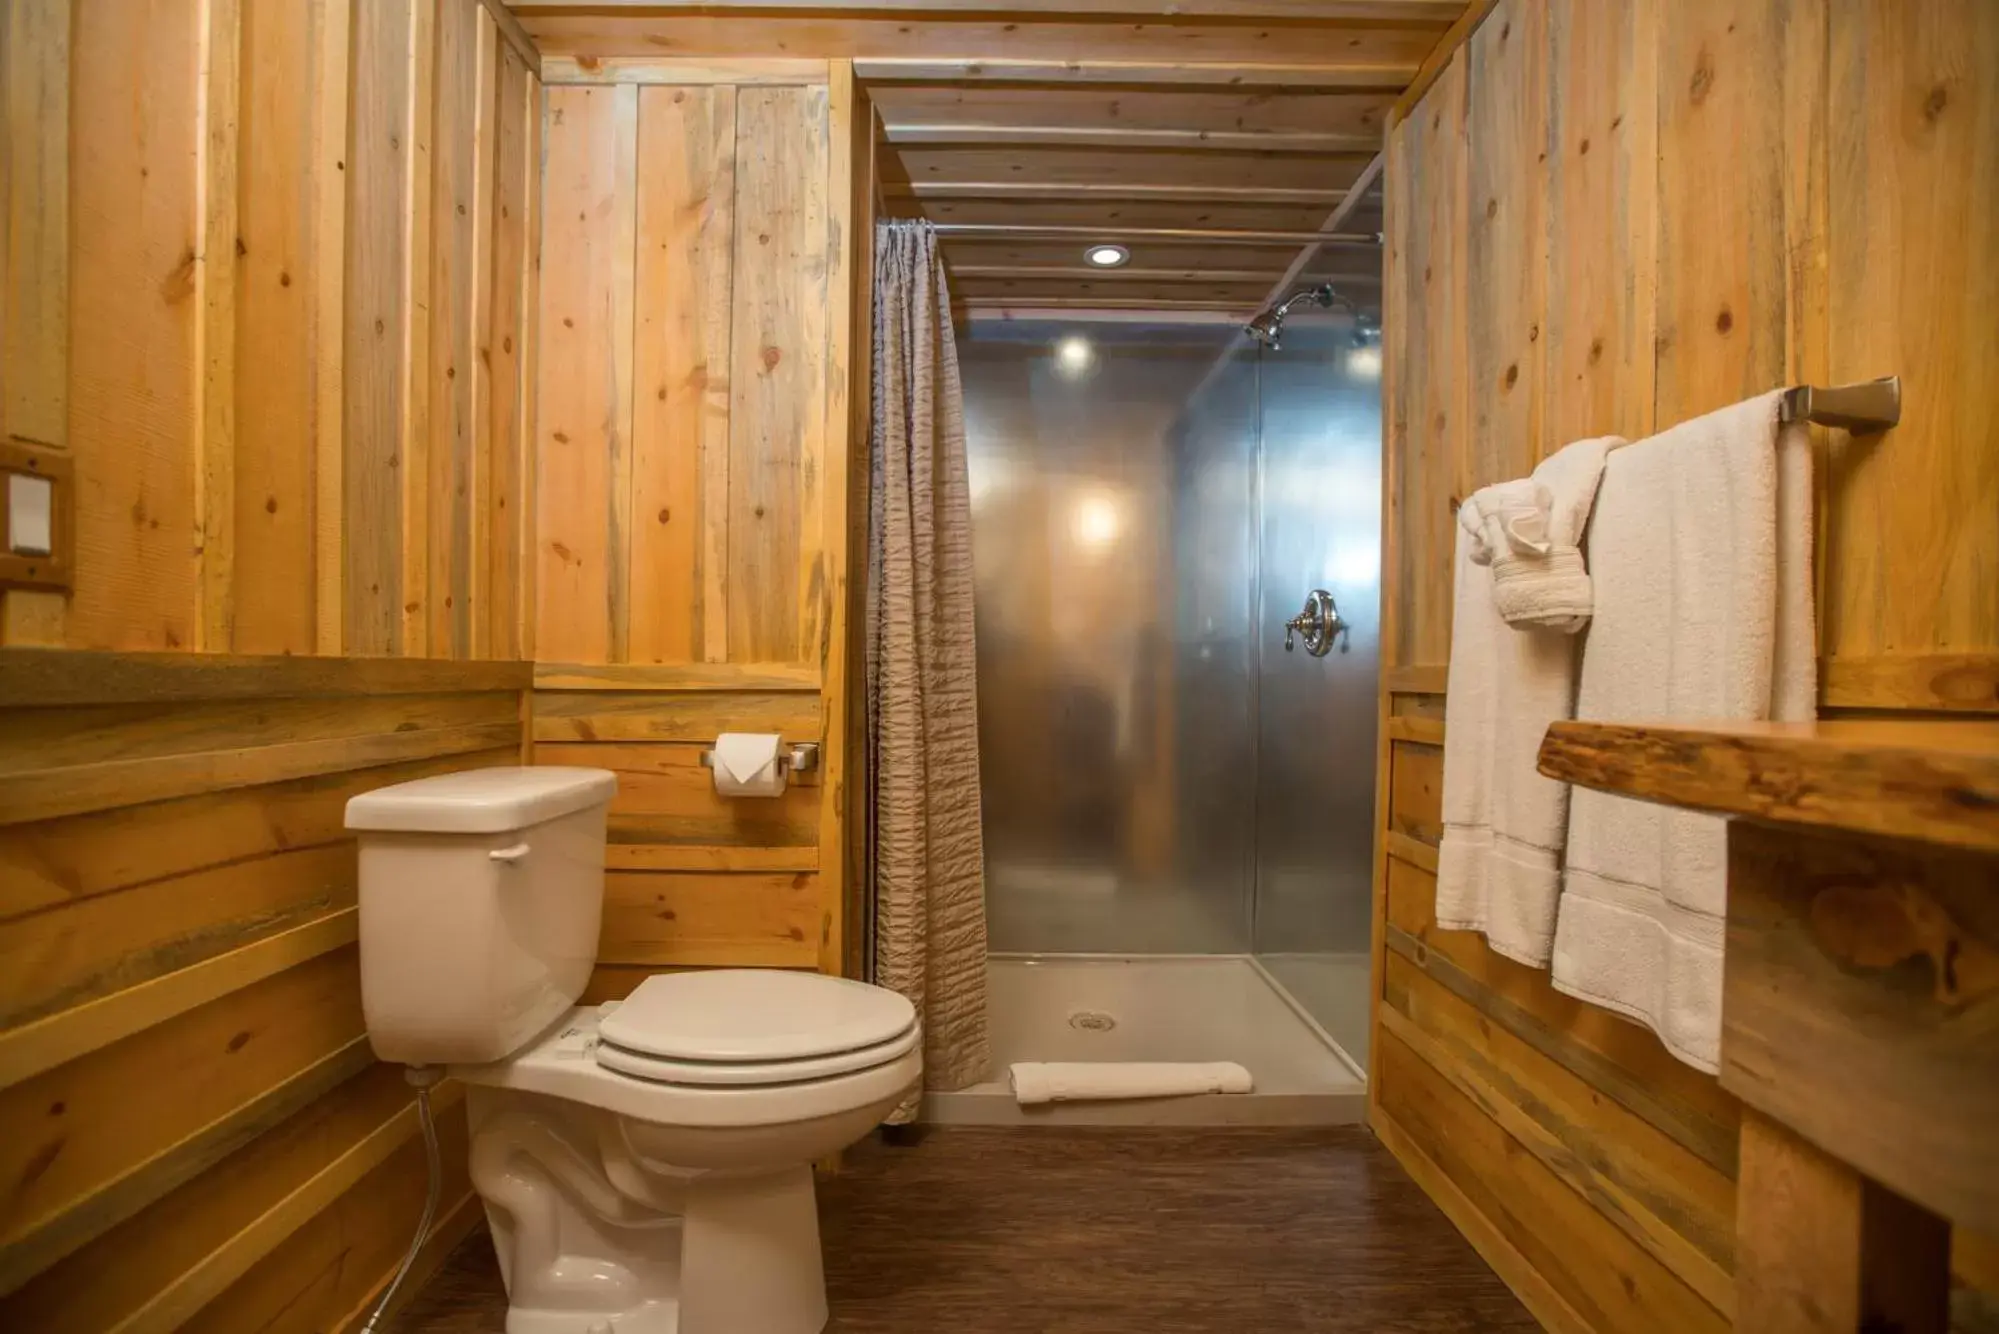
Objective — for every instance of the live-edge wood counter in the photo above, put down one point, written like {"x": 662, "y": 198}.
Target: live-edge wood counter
{"x": 1860, "y": 1009}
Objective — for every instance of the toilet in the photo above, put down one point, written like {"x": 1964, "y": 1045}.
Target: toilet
{"x": 645, "y": 1165}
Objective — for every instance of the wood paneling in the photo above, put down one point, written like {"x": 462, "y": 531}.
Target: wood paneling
{"x": 666, "y": 797}
{"x": 693, "y": 442}
{"x": 619, "y": 715}
{"x": 178, "y": 918}
{"x": 237, "y": 376}
{"x": 1429, "y": 419}
{"x": 777, "y": 376}
{"x": 1602, "y": 1279}
{"x": 687, "y": 200}
{"x": 684, "y": 388}
{"x": 741, "y": 919}
{"x": 1649, "y": 211}
{"x": 1912, "y": 290}
{"x": 265, "y": 279}
{"x": 1677, "y": 1207}
{"x": 582, "y": 437}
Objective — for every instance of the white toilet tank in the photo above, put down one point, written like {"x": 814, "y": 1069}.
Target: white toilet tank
{"x": 481, "y": 897}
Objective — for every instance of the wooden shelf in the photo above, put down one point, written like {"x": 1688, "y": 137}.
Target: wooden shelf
{"x": 1937, "y": 782}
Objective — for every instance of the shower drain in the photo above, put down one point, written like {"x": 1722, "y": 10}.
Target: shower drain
{"x": 1092, "y": 1021}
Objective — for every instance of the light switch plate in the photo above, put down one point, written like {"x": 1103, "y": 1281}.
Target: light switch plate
{"x": 31, "y": 504}
{"x": 38, "y": 522}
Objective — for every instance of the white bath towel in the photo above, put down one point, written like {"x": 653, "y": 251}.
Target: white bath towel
{"x": 1701, "y": 557}
{"x": 1081, "y": 1081}
{"x": 1499, "y": 868}
{"x": 1530, "y": 532}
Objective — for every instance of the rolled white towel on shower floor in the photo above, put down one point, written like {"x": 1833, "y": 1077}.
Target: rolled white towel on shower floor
{"x": 1084, "y": 1081}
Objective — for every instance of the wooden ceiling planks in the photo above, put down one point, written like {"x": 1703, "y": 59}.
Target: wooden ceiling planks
{"x": 1438, "y": 12}
{"x": 1386, "y": 54}
{"x": 1115, "y": 115}
{"x": 1196, "y": 117}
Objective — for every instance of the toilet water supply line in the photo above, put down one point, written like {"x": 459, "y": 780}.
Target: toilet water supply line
{"x": 421, "y": 1077}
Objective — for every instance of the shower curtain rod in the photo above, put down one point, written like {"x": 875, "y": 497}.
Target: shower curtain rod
{"x": 1223, "y": 235}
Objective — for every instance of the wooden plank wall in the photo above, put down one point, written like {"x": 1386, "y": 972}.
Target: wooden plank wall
{"x": 193, "y": 1132}
{"x": 265, "y": 283}
{"x": 1607, "y": 218}
{"x": 692, "y": 443}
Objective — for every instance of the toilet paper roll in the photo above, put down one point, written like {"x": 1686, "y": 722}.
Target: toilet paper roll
{"x": 746, "y": 765}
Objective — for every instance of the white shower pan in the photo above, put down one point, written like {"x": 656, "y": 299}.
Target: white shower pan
{"x": 1188, "y": 1007}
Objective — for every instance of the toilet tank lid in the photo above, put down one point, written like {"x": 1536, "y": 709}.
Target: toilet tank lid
{"x": 482, "y": 801}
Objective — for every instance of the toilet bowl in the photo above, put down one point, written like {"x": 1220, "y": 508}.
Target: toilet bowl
{"x": 645, "y": 1165}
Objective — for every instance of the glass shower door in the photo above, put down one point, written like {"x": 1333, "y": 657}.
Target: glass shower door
{"x": 1320, "y": 529}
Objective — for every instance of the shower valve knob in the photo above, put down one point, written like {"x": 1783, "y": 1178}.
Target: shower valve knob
{"x": 1320, "y": 622}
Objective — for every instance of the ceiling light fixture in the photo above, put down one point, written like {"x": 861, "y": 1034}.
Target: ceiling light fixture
{"x": 1107, "y": 256}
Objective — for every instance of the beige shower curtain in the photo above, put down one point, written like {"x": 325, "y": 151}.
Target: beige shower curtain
{"x": 929, "y": 936}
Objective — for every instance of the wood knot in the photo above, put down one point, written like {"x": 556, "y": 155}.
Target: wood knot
{"x": 1876, "y": 925}
{"x": 1724, "y": 321}
{"x": 1702, "y": 82}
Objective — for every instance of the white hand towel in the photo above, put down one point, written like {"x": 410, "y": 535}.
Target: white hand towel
{"x": 1701, "y": 556}
{"x": 1499, "y": 869}
{"x": 1075, "y": 1081}
{"x": 1530, "y": 532}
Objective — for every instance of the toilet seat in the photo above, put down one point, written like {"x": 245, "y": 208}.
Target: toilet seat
{"x": 563, "y": 1064}
{"x": 663, "y": 1070}
{"x": 754, "y": 1016}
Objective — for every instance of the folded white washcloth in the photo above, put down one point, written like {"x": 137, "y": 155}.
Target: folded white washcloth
{"x": 1530, "y": 533}
{"x": 1079, "y": 1081}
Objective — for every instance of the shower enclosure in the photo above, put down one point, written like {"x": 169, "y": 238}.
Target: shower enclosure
{"x": 1177, "y": 809}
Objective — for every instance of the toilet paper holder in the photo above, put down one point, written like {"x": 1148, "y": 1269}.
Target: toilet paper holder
{"x": 799, "y": 758}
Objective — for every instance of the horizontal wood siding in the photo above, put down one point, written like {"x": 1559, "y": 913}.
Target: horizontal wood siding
{"x": 1604, "y": 219}
{"x": 186, "y": 930}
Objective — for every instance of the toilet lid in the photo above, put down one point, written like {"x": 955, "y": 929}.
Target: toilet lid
{"x": 754, "y": 1015}
{"x": 661, "y": 1070}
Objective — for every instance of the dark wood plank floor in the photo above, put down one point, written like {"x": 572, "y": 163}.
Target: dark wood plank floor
{"x": 1111, "y": 1232}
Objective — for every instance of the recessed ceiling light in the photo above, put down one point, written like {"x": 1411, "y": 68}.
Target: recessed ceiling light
{"x": 1107, "y": 256}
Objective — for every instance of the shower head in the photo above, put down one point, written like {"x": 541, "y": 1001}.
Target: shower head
{"x": 1265, "y": 328}
{"x": 1268, "y": 327}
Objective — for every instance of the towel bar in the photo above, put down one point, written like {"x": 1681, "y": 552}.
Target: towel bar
{"x": 1874, "y": 405}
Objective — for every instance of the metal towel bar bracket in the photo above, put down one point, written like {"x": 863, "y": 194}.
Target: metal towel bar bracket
{"x": 801, "y": 758}
{"x": 1874, "y": 405}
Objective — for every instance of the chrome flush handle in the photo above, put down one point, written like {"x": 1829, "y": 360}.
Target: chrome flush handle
{"x": 1320, "y": 623}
